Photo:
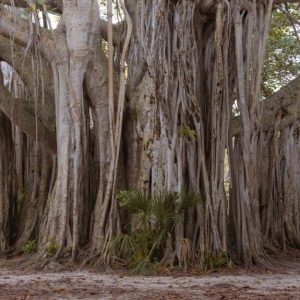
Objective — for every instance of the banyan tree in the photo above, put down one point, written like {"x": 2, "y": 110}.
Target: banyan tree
{"x": 143, "y": 100}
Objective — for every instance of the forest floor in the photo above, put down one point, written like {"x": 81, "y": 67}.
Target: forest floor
{"x": 282, "y": 283}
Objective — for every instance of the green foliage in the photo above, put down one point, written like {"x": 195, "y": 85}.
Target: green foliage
{"x": 216, "y": 261}
{"x": 283, "y": 51}
{"x": 30, "y": 247}
{"x": 31, "y": 8}
{"x": 144, "y": 266}
{"x": 52, "y": 248}
{"x": 139, "y": 204}
{"x": 153, "y": 218}
{"x": 188, "y": 198}
{"x": 124, "y": 245}
{"x": 187, "y": 132}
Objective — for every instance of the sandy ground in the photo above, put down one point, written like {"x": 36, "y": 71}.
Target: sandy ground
{"x": 88, "y": 285}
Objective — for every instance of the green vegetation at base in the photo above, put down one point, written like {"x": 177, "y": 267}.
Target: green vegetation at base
{"x": 52, "y": 249}
{"x": 153, "y": 220}
{"x": 214, "y": 261}
{"x": 30, "y": 247}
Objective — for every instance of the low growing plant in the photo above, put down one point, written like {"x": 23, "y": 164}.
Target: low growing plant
{"x": 30, "y": 247}
{"x": 187, "y": 132}
{"x": 152, "y": 219}
{"x": 215, "y": 261}
{"x": 52, "y": 248}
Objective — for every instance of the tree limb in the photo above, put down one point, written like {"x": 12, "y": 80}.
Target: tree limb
{"x": 52, "y": 5}
{"x": 284, "y": 102}
{"x": 14, "y": 56}
{"x": 19, "y": 114}
{"x": 19, "y": 31}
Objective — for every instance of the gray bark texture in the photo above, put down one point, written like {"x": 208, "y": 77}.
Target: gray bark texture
{"x": 92, "y": 108}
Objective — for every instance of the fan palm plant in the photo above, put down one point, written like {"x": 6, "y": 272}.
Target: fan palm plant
{"x": 152, "y": 220}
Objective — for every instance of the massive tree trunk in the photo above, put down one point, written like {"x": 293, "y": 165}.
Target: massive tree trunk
{"x": 249, "y": 59}
{"x": 188, "y": 62}
{"x": 73, "y": 54}
{"x": 278, "y": 168}
{"x": 6, "y": 184}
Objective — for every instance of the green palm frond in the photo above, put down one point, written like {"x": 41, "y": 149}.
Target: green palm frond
{"x": 145, "y": 266}
{"x": 144, "y": 240}
{"x": 161, "y": 237}
{"x": 188, "y": 198}
{"x": 141, "y": 220}
{"x": 153, "y": 218}
{"x": 135, "y": 201}
{"x": 123, "y": 245}
{"x": 163, "y": 205}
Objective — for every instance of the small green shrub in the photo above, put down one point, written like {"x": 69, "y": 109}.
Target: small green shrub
{"x": 52, "y": 249}
{"x": 153, "y": 218}
{"x": 187, "y": 132}
{"x": 215, "y": 261}
{"x": 30, "y": 247}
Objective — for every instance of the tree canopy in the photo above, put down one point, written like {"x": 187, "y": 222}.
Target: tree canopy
{"x": 283, "y": 48}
